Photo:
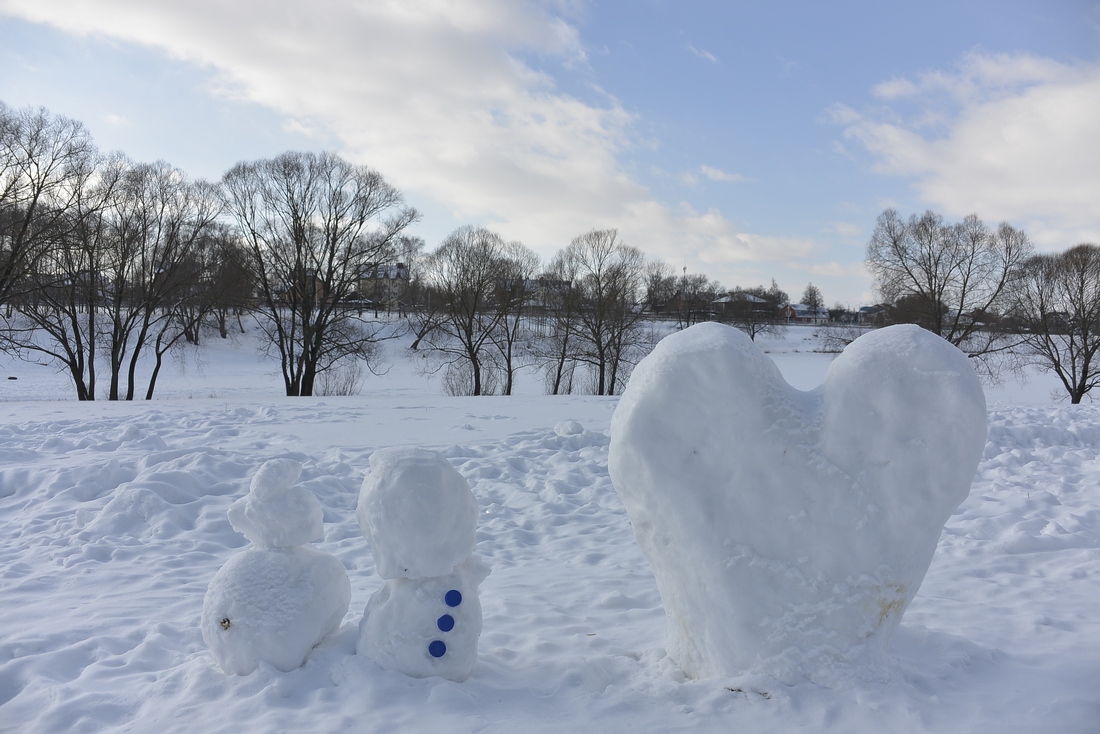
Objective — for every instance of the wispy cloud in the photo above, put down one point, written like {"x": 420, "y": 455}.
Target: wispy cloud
{"x": 833, "y": 269}
{"x": 715, "y": 174}
{"x": 845, "y": 229}
{"x": 703, "y": 54}
{"x": 978, "y": 77}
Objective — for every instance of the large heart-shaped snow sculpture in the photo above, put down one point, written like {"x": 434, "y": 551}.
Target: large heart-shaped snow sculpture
{"x": 790, "y": 529}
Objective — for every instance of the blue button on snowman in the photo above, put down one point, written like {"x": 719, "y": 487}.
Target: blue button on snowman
{"x": 419, "y": 517}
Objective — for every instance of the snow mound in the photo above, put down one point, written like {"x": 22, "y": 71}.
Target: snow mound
{"x": 789, "y": 530}
{"x": 417, "y": 513}
{"x": 569, "y": 428}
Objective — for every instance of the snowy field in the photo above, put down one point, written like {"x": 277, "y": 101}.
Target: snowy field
{"x": 113, "y": 521}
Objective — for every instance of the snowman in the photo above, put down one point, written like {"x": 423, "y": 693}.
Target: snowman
{"x": 419, "y": 516}
{"x": 278, "y": 599}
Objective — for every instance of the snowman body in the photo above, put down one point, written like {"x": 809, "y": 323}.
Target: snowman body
{"x": 428, "y": 626}
{"x": 419, "y": 516}
{"x": 277, "y": 600}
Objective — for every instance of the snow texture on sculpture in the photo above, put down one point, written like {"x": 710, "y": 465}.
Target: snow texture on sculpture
{"x": 789, "y": 530}
{"x": 419, "y": 516}
{"x": 277, "y": 600}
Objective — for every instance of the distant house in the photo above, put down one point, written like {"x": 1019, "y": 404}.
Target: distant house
{"x": 302, "y": 286}
{"x": 739, "y": 302}
{"x": 546, "y": 294}
{"x": 842, "y": 315}
{"x": 872, "y": 315}
{"x": 800, "y": 313}
{"x": 383, "y": 285}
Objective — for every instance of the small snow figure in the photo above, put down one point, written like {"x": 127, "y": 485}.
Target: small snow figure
{"x": 277, "y": 600}
{"x": 419, "y": 516}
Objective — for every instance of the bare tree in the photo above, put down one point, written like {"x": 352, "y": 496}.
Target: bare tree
{"x": 610, "y": 334}
{"x": 519, "y": 264}
{"x": 59, "y": 302}
{"x": 223, "y": 286}
{"x": 106, "y": 281}
{"x": 555, "y": 348}
{"x": 199, "y": 285}
{"x": 755, "y": 310}
{"x": 310, "y": 223}
{"x": 465, "y": 273}
{"x": 660, "y": 285}
{"x": 156, "y": 217}
{"x": 424, "y": 304}
{"x": 812, "y": 297}
{"x": 694, "y": 298}
{"x": 1058, "y": 307}
{"x": 45, "y": 161}
{"x": 948, "y": 278}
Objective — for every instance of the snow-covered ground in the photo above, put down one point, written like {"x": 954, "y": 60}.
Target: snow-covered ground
{"x": 113, "y": 521}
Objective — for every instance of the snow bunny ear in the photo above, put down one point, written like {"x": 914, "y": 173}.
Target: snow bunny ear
{"x": 275, "y": 513}
{"x": 274, "y": 479}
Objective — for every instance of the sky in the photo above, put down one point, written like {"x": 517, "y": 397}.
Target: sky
{"x": 746, "y": 141}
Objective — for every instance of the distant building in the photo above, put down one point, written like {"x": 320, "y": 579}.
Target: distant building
{"x": 384, "y": 286}
{"x": 800, "y": 313}
{"x": 739, "y": 302}
{"x": 872, "y": 315}
{"x": 546, "y": 294}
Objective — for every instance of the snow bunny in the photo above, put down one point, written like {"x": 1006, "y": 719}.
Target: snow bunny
{"x": 277, "y": 600}
{"x": 419, "y": 516}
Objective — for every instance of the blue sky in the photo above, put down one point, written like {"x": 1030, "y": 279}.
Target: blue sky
{"x": 748, "y": 141}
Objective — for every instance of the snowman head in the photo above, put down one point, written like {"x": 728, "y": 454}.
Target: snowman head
{"x": 417, "y": 513}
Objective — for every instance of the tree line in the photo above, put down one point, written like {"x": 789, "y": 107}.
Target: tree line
{"x": 987, "y": 291}
{"x": 107, "y": 264}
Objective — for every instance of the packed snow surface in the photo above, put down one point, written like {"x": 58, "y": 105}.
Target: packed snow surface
{"x": 113, "y": 523}
{"x": 789, "y": 530}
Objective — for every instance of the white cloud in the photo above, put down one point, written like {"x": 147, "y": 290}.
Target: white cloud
{"x": 436, "y": 96}
{"x": 703, "y": 54}
{"x": 846, "y": 229}
{"x": 778, "y": 249}
{"x": 1007, "y": 137}
{"x": 834, "y": 269}
{"x": 715, "y": 174}
{"x": 979, "y": 77}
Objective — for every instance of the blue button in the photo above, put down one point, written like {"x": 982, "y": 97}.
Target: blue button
{"x": 437, "y": 649}
{"x": 453, "y": 598}
{"x": 446, "y": 623}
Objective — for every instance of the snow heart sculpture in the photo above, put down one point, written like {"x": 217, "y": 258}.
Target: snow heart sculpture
{"x": 788, "y": 529}
{"x": 419, "y": 516}
{"x": 277, "y": 600}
